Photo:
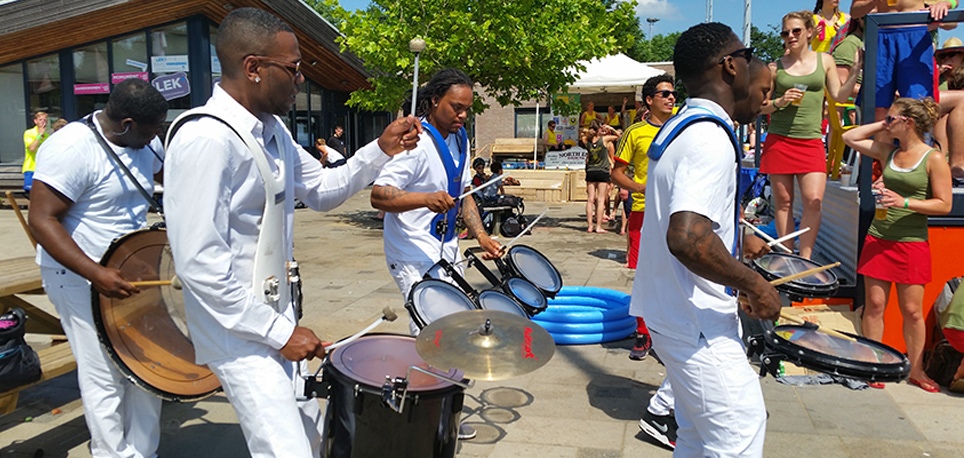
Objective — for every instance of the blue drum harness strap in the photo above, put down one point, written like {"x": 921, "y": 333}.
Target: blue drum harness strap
{"x": 443, "y": 225}
{"x": 658, "y": 147}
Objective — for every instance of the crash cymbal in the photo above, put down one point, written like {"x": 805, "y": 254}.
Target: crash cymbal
{"x": 485, "y": 344}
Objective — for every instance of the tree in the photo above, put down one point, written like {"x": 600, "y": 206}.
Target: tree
{"x": 516, "y": 49}
{"x": 657, "y": 49}
{"x": 769, "y": 45}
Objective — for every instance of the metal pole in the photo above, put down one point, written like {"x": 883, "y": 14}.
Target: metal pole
{"x": 709, "y": 10}
{"x": 747, "y": 27}
{"x": 535, "y": 149}
{"x": 651, "y": 21}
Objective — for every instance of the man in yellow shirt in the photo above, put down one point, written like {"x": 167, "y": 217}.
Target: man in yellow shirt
{"x": 660, "y": 95}
{"x": 32, "y": 138}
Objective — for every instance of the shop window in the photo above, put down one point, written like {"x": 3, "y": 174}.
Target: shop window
{"x": 44, "y": 87}
{"x": 317, "y": 109}
{"x": 129, "y": 57}
{"x": 215, "y": 62}
{"x": 13, "y": 113}
{"x": 302, "y": 111}
{"x": 525, "y": 122}
{"x": 169, "y": 57}
{"x": 91, "y": 78}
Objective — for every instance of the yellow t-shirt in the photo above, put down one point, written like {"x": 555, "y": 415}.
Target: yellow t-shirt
{"x": 551, "y": 137}
{"x": 613, "y": 120}
{"x": 823, "y": 45}
{"x": 30, "y": 158}
{"x": 632, "y": 149}
{"x": 586, "y": 118}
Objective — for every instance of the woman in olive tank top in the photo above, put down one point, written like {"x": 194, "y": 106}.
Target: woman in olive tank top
{"x": 794, "y": 146}
{"x": 916, "y": 183}
{"x": 597, "y": 140}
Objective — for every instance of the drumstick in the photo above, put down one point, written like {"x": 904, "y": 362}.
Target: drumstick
{"x": 388, "y": 314}
{"x": 524, "y": 231}
{"x": 483, "y": 185}
{"x": 764, "y": 235}
{"x": 415, "y": 45}
{"x": 805, "y": 273}
{"x": 788, "y": 236}
{"x": 827, "y": 331}
{"x": 174, "y": 282}
{"x": 23, "y": 222}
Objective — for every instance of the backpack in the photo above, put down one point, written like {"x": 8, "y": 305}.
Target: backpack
{"x": 19, "y": 364}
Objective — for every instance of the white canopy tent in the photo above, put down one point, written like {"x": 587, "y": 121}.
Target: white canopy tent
{"x": 616, "y": 73}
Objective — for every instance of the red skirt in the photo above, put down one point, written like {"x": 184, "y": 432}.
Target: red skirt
{"x": 908, "y": 263}
{"x": 788, "y": 156}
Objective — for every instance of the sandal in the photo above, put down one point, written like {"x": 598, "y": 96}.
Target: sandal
{"x": 877, "y": 385}
{"x": 957, "y": 386}
{"x": 929, "y": 386}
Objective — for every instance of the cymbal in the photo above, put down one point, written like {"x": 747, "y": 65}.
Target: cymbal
{"x": 485, "y": 344}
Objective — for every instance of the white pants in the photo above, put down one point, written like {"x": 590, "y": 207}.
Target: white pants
{"x": 719, "y": 403}
{"x": 262, "y": 388}
{"x": 408, "y": 273}
{"x": 123, "y": 420}
{"x": 662, "y": 403}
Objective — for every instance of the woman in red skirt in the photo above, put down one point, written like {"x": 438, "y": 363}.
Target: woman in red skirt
{"x": 916, "y": 183}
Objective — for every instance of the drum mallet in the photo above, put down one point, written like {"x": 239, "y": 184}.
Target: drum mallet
{"x": 483, "y": 185}
{"x": 174, "y": 282}
{"x": 415, "y": 45}
{"x": 790, "y": 236}
{"x": 526, "y": 230}
{"x": 827, "y": 331}
{"x": 388, "y": 314}
{"x": 765, "y": 236}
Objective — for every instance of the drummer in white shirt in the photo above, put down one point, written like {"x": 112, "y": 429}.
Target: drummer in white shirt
{"x": 217, "y": 214}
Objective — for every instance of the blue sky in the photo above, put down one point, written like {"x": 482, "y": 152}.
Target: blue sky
{"x": 679, "y": 15}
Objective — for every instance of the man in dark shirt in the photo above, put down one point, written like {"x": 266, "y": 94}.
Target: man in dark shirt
{"x": 335, "y": 141}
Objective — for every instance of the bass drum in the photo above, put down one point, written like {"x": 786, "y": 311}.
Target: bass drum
{"x": 146, "y": 334}
{"x": 358, "y": 424}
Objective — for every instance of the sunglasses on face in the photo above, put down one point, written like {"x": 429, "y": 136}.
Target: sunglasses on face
{"x": 746, "y": 53}
{"x": 666, "y": 94}
{"x": 893, "y": 119}
{"x": 786, "y": 33}
{"x": 293, "y": 69}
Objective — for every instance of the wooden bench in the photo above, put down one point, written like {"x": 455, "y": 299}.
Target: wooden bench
{"x": 516, "y": 147}
{"x": 55, "y": 361}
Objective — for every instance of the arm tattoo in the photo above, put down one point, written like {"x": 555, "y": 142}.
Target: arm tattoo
{"x": 387, "y": 192}
{"x": 692, "y": 241}
{"x": 471, "y": 218}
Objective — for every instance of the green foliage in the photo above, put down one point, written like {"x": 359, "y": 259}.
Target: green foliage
{"x": 769, "y": 45}
{"x": 516, "y": 49}
{"x": 658, "y": 49}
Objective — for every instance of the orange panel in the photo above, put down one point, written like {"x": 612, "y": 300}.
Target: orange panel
{"x": 946, "y": 244}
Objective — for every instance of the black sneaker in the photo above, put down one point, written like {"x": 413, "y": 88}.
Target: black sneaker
{"x": 660, "y": 427}
{"x": 641, "y": 348}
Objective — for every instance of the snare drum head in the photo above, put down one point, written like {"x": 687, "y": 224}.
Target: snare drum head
{"x": 534, "y": 267}
{"x": 526, "y": 293}
{"x": 146, "y": 334}
{"x": 863, "y": 359}
{"x": 494, "y": 300}
{"x": 432, "y": 299}
{"x": 779, "y": 265}
{"x": 371, "y": 358}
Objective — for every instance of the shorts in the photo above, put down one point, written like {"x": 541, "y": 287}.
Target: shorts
{"x": 907, "y": 263}
{"x": 597, "y": 177}
{"x": 788, "y": 156}
{"x": 955, "y": 337}
{"x": 905, "y": 64}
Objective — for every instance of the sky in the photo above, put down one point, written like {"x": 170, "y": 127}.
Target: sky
{"x": 679, "y": 15}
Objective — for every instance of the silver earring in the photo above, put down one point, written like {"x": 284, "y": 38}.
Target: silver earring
{"x": 436, "y": 104}
{"x": 257, "y": 79}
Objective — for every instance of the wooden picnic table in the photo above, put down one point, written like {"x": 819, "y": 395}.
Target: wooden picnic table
{"x": 22, "y": 276}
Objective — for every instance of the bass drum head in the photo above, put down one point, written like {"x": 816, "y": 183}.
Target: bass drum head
{"x": 864, "y": 359}
{"x": 146, "y": 334}
{"x": 536, "y": 268}
{"x": 432, "y": 299}
{"x": 371, "y": 358}
{"x": 494, "y": 300}
{"x": 531, "y": 298}
{"x": 774, "y": 266}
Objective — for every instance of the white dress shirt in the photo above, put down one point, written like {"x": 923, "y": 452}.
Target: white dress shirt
{"x": 214, "y": 200}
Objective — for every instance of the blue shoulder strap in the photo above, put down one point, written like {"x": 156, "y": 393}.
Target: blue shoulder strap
{"x": 658, "y": 147}
{"x": 453, "y": 173}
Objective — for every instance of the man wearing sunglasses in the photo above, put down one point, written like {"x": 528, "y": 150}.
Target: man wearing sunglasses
{"x": 227, "y": 232}
{"x": 689, "y": 237}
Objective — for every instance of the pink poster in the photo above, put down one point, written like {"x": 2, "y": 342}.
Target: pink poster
{"x": 118, "y": 77}
{"x": 87, "y": 89}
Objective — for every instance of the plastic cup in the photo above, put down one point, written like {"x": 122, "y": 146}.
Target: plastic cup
{"x": 880, "y": 211}
{"x": 891, "y": 2}
{"x": 801, "y": 87}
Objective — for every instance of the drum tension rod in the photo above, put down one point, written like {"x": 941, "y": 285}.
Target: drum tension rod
{"x": 769, "y": 362}
{"x": 390, "y": 390}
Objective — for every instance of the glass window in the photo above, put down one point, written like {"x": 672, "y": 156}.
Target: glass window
{"x": 301, "y": 132}
{"x": 13, "y": 114}
{"x": 315, "y": 105}
{"x": 525, "y": 122}
{"x": 91, "y": 78}
{"x": 215, "y": 62}
{"x": 130, "y": 56}
{"x": 169, "y": 55}
{"x": 44, "y": 87}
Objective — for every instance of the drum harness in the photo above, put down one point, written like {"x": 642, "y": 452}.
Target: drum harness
{"x": 154, "y": 205}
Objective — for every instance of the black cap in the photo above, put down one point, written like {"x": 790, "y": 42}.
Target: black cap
{"x": 477, "y": 162}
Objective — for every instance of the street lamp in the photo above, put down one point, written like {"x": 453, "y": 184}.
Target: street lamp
{"x": 651, "y": 21}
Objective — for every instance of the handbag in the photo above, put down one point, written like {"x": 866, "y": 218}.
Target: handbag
{"x": 19, "y": 364}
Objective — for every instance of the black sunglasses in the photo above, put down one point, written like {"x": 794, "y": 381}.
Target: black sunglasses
{"x": 786, "y": 33}
{"x": 746, "y": 53}
{"x": 892, "y": 119}
{"x": 666, "y": 94}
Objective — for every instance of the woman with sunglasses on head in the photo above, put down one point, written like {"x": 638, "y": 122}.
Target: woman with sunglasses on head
{"x": 597, "y": 140}
{"x": 916, "y": 183}
{"x": 794, "y": 146}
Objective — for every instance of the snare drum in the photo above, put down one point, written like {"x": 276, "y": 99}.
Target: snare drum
{"x": 774, "y": 266}
{"x": 359, "y": 424}
{"x": 864, "y": 359}
{"x": 432, "y": 299}
{"x": 526, "y": 294}
{"x": 525, "y": 262}
{"x": 494, "y": 300}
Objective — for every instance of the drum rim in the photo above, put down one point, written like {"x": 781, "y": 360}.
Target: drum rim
{"x": 796, "y": 286}
{"x": 329, "y": 365}
{"x": 413, "y": 311}
{"x": 104, "y": 338}
{"x": 823, "y": 362}
{"x": 494, "y": 292}
{"x": 511, "y": 262}
{"x": 543, "y": 304}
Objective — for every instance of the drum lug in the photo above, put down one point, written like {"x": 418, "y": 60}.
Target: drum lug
{"x": 316, "y": 387}
{"x": 272, "y": 289}
{"x": 394, "y": 392}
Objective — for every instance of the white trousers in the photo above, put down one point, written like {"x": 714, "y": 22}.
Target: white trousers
{"x": 719, "y": 403}
{"x": 123, "y": 420}
{"x": 262, "y": 388}
{"x": 662, "y": 403}
{"x": 408, "y": 273}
